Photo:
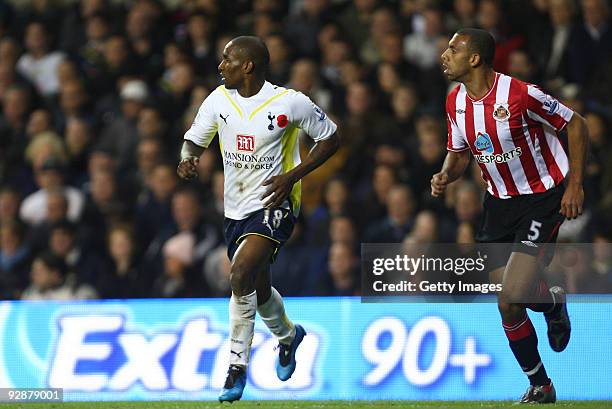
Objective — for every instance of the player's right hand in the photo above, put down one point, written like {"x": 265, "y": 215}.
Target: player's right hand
{"x": 439, "y": 181}
{"x": 188, "y": 167}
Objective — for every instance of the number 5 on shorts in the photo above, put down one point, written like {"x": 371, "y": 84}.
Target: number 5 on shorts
{"x": 534, "y": 230}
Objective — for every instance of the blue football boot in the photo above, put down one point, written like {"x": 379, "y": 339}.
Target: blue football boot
{"x": 234, "y": 384}
{"x": 285, "y": 366}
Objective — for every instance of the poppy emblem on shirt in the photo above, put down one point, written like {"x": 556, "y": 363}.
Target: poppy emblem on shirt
{"x": 282, "y": 120}
{"x": 501, "y": 112}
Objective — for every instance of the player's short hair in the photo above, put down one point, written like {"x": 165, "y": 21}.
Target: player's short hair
{"x": 254, "y": 49}
{"x": 480, "y": 42}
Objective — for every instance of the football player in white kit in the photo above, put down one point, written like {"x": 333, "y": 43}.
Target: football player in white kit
{"x": 258, "y": 125}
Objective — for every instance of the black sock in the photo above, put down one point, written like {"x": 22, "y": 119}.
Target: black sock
{"x": 524, "y": 344}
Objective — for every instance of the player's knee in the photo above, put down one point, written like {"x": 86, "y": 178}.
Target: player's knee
{"x": 509, "y": 311}
{"x": 241, "y": 280}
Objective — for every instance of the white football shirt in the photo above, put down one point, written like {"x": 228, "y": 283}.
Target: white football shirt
{"x": 258, "y": 137}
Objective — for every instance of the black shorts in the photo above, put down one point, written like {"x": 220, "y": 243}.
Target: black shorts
{"x": 274, "y": 224}
{"x": 528, "y": 222}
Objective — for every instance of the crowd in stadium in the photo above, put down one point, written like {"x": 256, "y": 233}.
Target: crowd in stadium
{"x": 96, "y": 96}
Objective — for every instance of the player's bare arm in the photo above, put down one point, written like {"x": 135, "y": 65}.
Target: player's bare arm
{"x": 573, "y": 198}
{"x": 452, "y": 169}
{"x": 279, "y": 187}
{"x": 190, "y": 156}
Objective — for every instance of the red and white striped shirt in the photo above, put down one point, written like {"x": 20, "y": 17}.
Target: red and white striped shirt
{"x": 513, "y": 133}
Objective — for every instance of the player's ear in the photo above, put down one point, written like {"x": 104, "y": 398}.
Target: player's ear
{"x": 475, "y": 60}
{"x": 248, "y": 67}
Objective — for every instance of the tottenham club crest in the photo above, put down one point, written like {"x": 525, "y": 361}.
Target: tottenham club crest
{"x": 501, "y": 112}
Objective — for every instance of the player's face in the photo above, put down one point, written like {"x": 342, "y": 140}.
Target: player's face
{"x": 456, "y": 58}
{"x": 231, "y": 67}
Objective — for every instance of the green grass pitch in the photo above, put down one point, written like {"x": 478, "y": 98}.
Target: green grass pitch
{"x": 302, "y": 405}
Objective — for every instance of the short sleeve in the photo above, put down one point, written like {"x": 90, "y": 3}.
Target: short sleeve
{"x": 545, "y": 109}
{"x": 456, "y": 141}
{"x": 204, "y": 126}
{"x": 310, "y": 118}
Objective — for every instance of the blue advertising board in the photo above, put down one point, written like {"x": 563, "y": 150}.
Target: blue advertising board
{"x": 178, "y": 349}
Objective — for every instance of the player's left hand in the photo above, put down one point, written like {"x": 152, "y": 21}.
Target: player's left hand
{"x": 573, "y": 199}
{"x": 278, "y": 190}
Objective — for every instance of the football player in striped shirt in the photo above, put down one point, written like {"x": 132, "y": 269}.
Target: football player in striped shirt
{"x": 513, "y": 131}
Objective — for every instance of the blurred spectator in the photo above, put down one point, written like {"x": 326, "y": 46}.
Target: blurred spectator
{"x": 335, "y": 203}
{"x": 73, "y": 103}
{"x": 116, "y": 62}
{"x": 49, "y": 281}
{"x": 79, "y": 140}
{"x": 382, "y": 22}
{"x": 187, "y": 217}
{"x": 217, "y": 268}
{"x": 177, "y": 278}
{"x": 73, "y": 30}
{"x": 153, "y": 207}
{"x": 400, "y": 217}
{"x": 305, "y": 78}
{"x": 124, "y": 278}
{"x": 50, "y": 175}
{"x": 383, "y": 179}
{"x": 468, "y": 202}
{"x": 421, "y": 48}
{"x": 9, "y": 51}
{"x": 597, "y": 164}
{"x": 430, "y": 157}
{"x": 520, "y": 66}
{"x": 355, "y": 20}
{"x": 15, "y": 108}
{"x": 302, "y": 28}
{"x": 464, "y": 15}
{"x": 14, "y": 260}
{"x": 10, "y": 201}
{"x": 291, "y": 270}
{"x": 466, "y": 233}
{"x": 343, "y": 229}
{"x": 592, "y": 41}
{"x": 149, "y": 154}
{"x": 200, "y": 28}
{"x": 280, "y": 65}
{"x": 342, "y": 278}
{"x": 425, "y": 228}
{"x": 40, "y": 121}
{"x": 57, "y": 211}
{"x": 85, "y": 265}
{"x": 121, "y": 135}
{"x": 39, "y": 64}
{"x": 102, "y": 208}
{"x": 366, "y": 126}
{"x": 602, "y": 258}
{"x": 176, "y": 97}
{"x": 492, "y": 19}
{"x": 549, "y": 44}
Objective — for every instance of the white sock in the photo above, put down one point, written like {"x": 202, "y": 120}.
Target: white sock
{"x": 272, "y": 312}
{"x": 242, "y": 325}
